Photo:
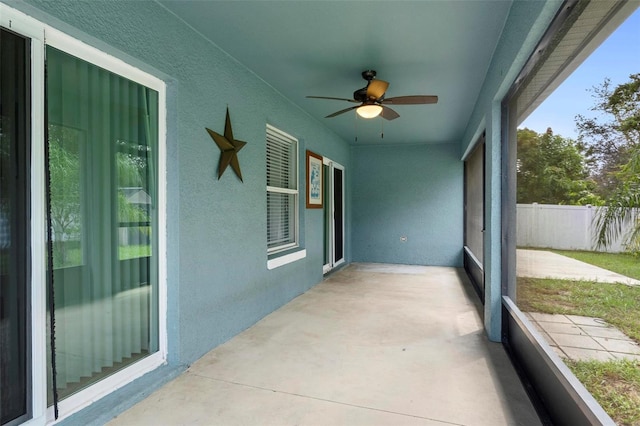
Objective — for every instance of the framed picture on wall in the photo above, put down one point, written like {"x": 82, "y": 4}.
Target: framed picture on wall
{"x": 314, "y": 180}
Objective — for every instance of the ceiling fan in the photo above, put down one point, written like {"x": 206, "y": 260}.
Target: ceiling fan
{"x": 372, "y": 101}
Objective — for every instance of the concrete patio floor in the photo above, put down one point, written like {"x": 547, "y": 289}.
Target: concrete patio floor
{"x": 371, "y": 345}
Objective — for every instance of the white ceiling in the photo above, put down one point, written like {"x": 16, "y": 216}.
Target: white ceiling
{"x": 320, "y": 48}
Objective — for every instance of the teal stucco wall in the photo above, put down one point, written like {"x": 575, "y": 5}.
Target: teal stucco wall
{"x": 412, "y": 191}
{"x": 218, "y": 282}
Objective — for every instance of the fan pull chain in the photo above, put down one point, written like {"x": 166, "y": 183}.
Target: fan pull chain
{"x": 381, "y": 129}
{"x": 355, "y": 128}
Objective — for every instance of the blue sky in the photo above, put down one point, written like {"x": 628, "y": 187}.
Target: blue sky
{"x": 616, "y": 58}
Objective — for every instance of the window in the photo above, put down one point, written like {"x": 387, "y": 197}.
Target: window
{"x": 282, "y": 191}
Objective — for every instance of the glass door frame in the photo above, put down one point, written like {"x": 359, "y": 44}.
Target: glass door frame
{"x": 40, "y": 35}
{"x": 23, "y": 25}
{"x": 330, "y": 224}
{"x": 17, "y": 252}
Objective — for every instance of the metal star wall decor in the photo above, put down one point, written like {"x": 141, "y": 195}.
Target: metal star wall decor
{"x": 229, "y": 148}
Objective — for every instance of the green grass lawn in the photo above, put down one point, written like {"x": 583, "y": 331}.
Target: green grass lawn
{"x": 132, "y": 252}
{"x": 622, "y": 263}
{"x": 73, "y": 257}
{"x": 614, "y": 384}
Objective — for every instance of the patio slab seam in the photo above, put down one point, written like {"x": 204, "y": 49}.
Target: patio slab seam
{"x": 331, "y": 401}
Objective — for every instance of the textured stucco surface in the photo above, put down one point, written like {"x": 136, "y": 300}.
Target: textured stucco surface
{"x": 218, "y": 280}
{"x": 412, "y": 191}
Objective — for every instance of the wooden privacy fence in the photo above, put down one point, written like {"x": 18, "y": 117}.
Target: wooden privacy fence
{"x": 559, "y": 227}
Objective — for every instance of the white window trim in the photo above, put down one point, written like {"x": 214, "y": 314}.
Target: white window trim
{"x": 40, "y": 33}
{"x": 292, "y": 257}
{"x": 286, "y": 259}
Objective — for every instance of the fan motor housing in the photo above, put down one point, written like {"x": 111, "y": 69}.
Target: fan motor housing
{"x": 360, "y": 95}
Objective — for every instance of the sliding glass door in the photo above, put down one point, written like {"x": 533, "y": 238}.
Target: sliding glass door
{"x": 102, "y": 191}
{"x": 333, "y": 214}
{"x": 14, "y": 212}
{"x": 82, "y": 289}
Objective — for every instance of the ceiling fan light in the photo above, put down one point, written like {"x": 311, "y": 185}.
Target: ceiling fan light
{"x": 369, "y": 111}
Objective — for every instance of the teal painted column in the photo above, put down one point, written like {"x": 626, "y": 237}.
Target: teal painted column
{"x": 492, "y": 240}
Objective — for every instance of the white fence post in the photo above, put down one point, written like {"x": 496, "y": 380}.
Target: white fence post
{"x": 589, "y": 230}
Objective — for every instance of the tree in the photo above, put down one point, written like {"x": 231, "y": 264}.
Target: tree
{"x": 130, "y": 169}
{"x": 615, "y": 147}
{"x": 613, "y": 136}
{"x": 552, "y": 170}
{"x": 64, "y": 169}
{"x": 621, "y": 216}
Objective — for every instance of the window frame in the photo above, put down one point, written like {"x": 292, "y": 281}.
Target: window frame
{"x": 280, "y": 190}
{"x": 41, "y": 35}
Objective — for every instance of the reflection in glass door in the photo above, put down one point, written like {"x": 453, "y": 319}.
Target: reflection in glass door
{"x": 103, "y": 143}
{"x": 14, "y": 141}
{"x": 333, "y": 215}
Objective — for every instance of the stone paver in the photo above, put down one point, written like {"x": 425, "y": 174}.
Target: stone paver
{"x": 550, "y": 318}
{"x": 584, "y": 338}
{"x": 626, "y": 356}
{"x": 617, "y": 345}
{"x": 561, "y": 327}
{"x": 589, "y": 321}
{"x": 608, "y": 332}
{"x": 584, "y": 354}
{"x": 575, "y": 341}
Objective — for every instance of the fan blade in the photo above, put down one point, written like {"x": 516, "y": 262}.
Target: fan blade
{"x": 342, "y": 111}
{"x": 388, "y": 113}
{"x": 376, "y": 89}
{"x": 411, "y": 100}
{"x": 334, "y": 99}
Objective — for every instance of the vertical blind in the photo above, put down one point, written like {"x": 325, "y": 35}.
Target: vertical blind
{"x": 102, "y": 139}
{"x": 282, "y": 190}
